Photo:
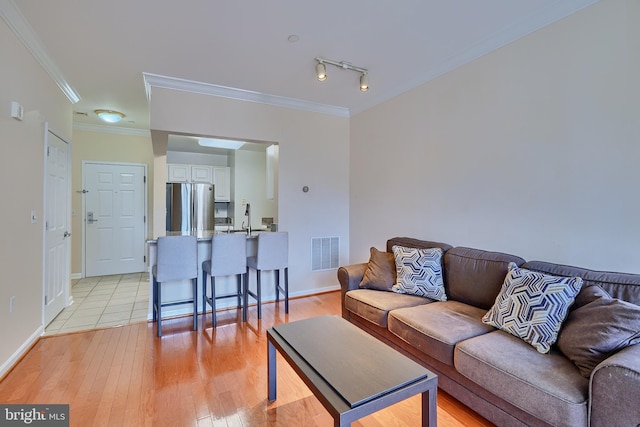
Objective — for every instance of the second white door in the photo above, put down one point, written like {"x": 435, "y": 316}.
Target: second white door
{"x": 114, "y": 218}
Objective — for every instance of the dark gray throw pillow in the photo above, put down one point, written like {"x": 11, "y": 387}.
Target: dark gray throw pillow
{"x": 380, "y": 273}
{"x": 598, "y": 329}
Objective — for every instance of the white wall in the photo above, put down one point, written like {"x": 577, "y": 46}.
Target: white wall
{"x": 314, "y": 151}
{"x": 531, "y": 150}
{"x": 197, "y": 158}
{"x": 22, "y": 79}
{"x": 250, "y": 184}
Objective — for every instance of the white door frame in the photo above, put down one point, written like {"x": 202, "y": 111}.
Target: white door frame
{"x": 67, "y": 290}
{"x": 84, "y": 219}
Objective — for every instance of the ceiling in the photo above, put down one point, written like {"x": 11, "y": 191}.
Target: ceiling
{"x": 101, "y": 49}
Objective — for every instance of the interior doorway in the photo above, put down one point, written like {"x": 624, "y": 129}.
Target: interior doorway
{"x": 114, "y": 209}
{"x": 56, "y": 226}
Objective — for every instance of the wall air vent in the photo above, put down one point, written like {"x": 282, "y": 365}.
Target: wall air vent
{"x": 325, "y": 253}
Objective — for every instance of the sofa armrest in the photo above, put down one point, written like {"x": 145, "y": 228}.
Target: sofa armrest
{"x": 614, "y": 390}
{"x": 349, "y": 277}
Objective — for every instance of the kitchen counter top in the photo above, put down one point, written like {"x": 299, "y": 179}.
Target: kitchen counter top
{"x": 204, "y": 235}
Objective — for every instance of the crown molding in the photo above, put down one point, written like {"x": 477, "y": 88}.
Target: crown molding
{"x": 154, "y": 80}
{"x": 111, "y": 129}
{"x": 19, "y": 25}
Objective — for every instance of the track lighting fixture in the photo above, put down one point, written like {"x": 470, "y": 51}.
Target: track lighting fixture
{"x": 364, "y": 82}
{"x": 321, "y": 71}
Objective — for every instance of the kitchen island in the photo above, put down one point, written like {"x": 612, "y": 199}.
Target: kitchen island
{"x": 181, "y": 290}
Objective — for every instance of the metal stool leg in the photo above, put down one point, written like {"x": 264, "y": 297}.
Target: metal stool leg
{"x": 159, "y": 305}
{"x": 259, "y": 293}
{"x": 194, "y": 283}
{"x": 214, "y": 322}
{"x": 245, "y": 294}
{"x": 286, "y": 290}
{"x": 155, "y": 298}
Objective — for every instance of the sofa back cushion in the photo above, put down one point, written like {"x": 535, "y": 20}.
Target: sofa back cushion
{"x": 408, "y": 242}
{"x": 474, "y": 276}
{"x": 623, "y": 286}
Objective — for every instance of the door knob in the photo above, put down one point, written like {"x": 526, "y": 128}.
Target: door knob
{"x": 66, "y": 234}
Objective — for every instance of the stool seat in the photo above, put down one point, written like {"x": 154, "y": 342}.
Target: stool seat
{"x": 272, "y": 255}
{"x": 177, "y": 260}
{"x": 228, "y": 258}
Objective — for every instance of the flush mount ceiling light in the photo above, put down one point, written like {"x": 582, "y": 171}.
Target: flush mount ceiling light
{"x": 220, "y": 143}
{"x": 321, "y": 71}
{"x": 109, "y": 116}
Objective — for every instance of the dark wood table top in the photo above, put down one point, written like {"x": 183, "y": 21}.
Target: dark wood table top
{"x": 356, "y": 365}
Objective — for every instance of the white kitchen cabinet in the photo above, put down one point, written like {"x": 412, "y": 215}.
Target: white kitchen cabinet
{"x": 178, "y": 173}
{"x": 189, "y": 173}
{"x": 222, "y": 184}
{"x": 202, "y": 174}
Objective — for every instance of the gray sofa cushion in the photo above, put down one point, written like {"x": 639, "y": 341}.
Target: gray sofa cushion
{"x": 598, "y": 329}
{"x": 474, "y": 276}
{"x": 436, "y": 328}
{"x": 547, "y": 385}
{"x": 409, "y": 242}
{"x": 374, "y": 306}
{"x": 623, "y": 286}
{"x": 381, "y": 271}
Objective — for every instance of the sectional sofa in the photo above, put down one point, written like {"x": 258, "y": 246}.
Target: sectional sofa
{"x": 483, "y": 334}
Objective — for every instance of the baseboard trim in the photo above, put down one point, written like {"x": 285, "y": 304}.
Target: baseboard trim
{"x": 8, "y": 365}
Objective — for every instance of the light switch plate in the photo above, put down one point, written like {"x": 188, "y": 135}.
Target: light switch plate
{"x": 17, "y": 112}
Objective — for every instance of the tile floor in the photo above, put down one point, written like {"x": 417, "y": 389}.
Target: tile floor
{"x": 104, "y": 301}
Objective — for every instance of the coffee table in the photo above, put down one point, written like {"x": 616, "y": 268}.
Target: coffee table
{"x": 350, "y": 372}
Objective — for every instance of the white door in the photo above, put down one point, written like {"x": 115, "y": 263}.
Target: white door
{"x": 56, "y": 225}
{"x": 114, "y": 218}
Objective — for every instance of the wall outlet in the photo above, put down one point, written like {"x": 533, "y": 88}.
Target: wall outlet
{"x": 12, "y": 303}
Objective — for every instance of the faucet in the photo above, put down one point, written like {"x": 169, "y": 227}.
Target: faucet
{"x": 247, "y": 213}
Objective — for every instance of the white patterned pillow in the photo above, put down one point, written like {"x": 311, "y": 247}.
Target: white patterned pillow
{"x": 533, "y": 305}
{"x": 419, "y": 272}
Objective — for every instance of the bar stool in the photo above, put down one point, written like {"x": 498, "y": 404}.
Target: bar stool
{"x": 273, "y": 254}
{"x": 228, "y": 257}
{"x": 177, "y": 260}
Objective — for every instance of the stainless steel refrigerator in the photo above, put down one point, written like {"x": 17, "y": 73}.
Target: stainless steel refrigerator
{"x": 190, "y": 207}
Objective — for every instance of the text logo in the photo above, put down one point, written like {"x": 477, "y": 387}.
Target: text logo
{"x": 34, "y": 415}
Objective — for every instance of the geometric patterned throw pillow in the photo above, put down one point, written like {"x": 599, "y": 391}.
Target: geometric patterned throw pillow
{"x": 532, "y": 305}
{"x": 419, "y": 272}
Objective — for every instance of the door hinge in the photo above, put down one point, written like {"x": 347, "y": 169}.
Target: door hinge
{"x": 145, "y": 179}
{"x": 48, "y": 151}
{"x": 46, "y": 299}
{"x": 145, "y": 218}
{"x": 144, "y": 257}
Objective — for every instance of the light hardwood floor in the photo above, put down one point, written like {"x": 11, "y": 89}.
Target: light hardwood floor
{"x": 126, "y": 376}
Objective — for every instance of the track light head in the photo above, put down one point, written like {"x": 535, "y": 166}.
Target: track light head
{"x": 364, "y": 82}
{"x": 321, "y": 72}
